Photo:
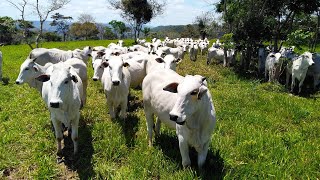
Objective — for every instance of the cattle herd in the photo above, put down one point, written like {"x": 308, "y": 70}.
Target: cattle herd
{"x": 183, "y": 103}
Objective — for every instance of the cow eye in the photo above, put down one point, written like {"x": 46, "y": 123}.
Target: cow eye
{"x": 194, "y": 93}
{"x": 66, "y": 82}
{"x": 27, "y": 69}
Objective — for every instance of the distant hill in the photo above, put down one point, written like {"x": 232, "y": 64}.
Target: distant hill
{"x": 46, "y": 26}
{"x": 174, "y": 28}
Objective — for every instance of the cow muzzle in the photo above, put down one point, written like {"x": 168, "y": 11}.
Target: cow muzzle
{"x": 173, "y": 118}
{"x": 54, "y": 104}
{"x": 116, "y": 83}
{"x": 95, "y": 79}
{"x": 18, "y": 82}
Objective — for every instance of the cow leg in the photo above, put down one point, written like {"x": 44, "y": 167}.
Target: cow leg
{"x": 157, "y": 127}
{"x": 301, "y": 82}
{"x": 202, "y": 154}
{"x": 287, "y": 78}
{"x": 74, "y": 134}
{"x": 111, "y": 109}
{"x": 123, "y": 110}
{"x": 150, "y": 123}
{"x": 84, "y": 99}
{"x": 293, "y": 82}
{"x": 184, "y": 151}
{"x": 58, "y": 132}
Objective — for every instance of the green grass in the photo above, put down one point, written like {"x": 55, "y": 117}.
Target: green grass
{"x": 262, "y": 131}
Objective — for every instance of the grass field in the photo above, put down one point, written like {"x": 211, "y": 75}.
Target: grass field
{"x": 262, "y": 131}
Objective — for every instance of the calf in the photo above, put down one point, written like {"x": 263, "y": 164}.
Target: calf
{"x": 184, "y": 104}
{"x": 62, "y": 92}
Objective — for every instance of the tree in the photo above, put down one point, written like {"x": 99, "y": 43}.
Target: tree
{"x": 203, "y": 22}
{"x": 25, "y": 25}
{"x": 84, "y": 31}
{"x": 62, "y": 24}
{"x": 146, "y": 31}
{"x": 101, "y": 29}
{"x": 253, "y": 22}
{"x": 189, "y": 31}
{"x": 109, "y": 34}
{"x": 83, "y": 18}
{"x": 119, "y": 27}
{"x": 7, "y": 29}
{"x": 42, "y": 10}
{"x": 51, "y": 36}
{"x": 138, "y": 12}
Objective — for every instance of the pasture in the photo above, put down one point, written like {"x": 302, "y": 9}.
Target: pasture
{"x": 262, "y": 131}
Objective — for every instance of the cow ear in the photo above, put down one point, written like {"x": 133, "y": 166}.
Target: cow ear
{"x": 173, "y": 87}
{"x": 100, "y": 53}
{"x": 35, "y": 68}
{"x": 43, "y": 78}
{"x": 125, "y": 64}
{"x": 105, "y": 64}
{"x": 202, "y": 90}
{"x": 159, "y": 60}
{"x": 74, "y": 78}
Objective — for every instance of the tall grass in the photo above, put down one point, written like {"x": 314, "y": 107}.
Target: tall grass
{"x": 262, "y": 131}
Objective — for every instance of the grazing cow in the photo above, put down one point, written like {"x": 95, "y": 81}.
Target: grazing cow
{"x": 54, "y": 55}
{"x": 62, "y": 91}
{"x": 299, "y": 68}
{"x": 156, "y": 62}
{"x": 184, "y": 104}
{"x": 30, "y": 70}
{"x": 116, "y": 83}
{"x": 193, "y": 51}
{"x": 0, "y": 65}
{"x": 272, "y": 66}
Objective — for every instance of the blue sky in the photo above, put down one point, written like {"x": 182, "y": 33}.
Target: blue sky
{"x": 178, "y": 12}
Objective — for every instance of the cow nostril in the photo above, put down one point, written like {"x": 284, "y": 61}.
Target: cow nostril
{"x": 17, "y": 82}
{"x": 116, "y": 83}
{"x": 94, "y": 79}
{"x": 54, "y": 105}
{"x": 173, "y": 117}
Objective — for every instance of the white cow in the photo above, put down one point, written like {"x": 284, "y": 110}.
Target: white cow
{"x": 299, "y": 69}
{"x": 203, "y": 46}
{"x": 177, "y": 52}
{"x": 184, "y": 104}
{"x": 116, "y": 83}
{"x": 0, "y": 65}
{"x": 272, "y": 66}
{"x": 314, "y": 70}
{"x": 156, "y": 62}
{"x": 193, "y": 51}
{"x": 54, "y": 55}
{"x": 30, "y": 70}
{"x": 215, "y": 53}
{"x": 62, "y": 91}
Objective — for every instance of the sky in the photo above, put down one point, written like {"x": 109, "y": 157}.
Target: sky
{"x": 177, "y": 12}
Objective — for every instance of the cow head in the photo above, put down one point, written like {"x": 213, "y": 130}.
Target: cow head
{"x": 190, "y": 93}
{"x": 116, "y": 65}
{"x": 61, "y": 81}
{"x": 169, "y": 61}
{"x": 29, "y": 70}
{"x": 98, "y": 68}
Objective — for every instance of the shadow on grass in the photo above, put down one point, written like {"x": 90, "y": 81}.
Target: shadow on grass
{"x": 129, "y": 128}
{"x": 212, "y": 169}
{"x": 5, "y": 81}
{"x": 134, "y": 103}
{"x": 82, "y": 163}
